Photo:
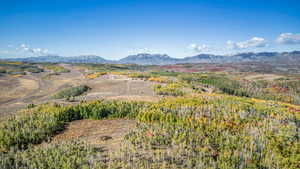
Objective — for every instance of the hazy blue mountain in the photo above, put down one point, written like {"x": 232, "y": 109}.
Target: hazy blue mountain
{"x": 149, "y": 59}
{"x": 62, "y": 59}
{"x": 158, "y": 59}
{"x": 205, "y": 58}
{"x": 272, "y": 57}
{"x": 163, "y": 59}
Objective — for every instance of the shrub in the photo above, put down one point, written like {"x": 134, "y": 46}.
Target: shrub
{"x": 219, "y": 131}
{"x": 31, "y": 105}
{"x": 158, "y": 79}
{"x": 95, "y": 75}
{"x": 71, "y": 92}
{"x": 111, "y": 109}
{"x": 200, "y": 131}
{"x": 2, "y": 71}
{"x": 35, "y": 70}
{"x": 139, "y": 75}
{"x": 56, "y": 68}
{"x": 35, "y": 125}
{"x": 171, "y": 89}
{"x": 65, "y": 155}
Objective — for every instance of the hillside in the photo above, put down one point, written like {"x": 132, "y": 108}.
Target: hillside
{"x": 137, "y": 116}
{"x": 181, "y": 84}
{"x": 207, "y": 130}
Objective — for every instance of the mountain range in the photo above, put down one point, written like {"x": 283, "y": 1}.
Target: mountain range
{"x": 163, "y": 59}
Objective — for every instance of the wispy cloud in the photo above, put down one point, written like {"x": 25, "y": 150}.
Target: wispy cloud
{"x": 253, "y": 42}
{"x": 198, "y": 48}
{"x": 35, "y": 51}
{"x": 288, "y": 38}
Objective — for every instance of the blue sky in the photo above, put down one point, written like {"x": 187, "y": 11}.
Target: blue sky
{"x": 116, "y": 28}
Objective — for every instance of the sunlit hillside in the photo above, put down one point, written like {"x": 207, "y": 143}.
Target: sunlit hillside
{"x": 204, "y": 119}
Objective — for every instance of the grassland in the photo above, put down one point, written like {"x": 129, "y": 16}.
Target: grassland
{"x": 204, "y": 119}
{"x": 207, "y": 130}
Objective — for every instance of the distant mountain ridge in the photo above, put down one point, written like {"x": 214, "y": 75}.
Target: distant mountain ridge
{"x": 164, "y": 59}
{"x": 149, "y": 59}
{"x": 62, "y": 59}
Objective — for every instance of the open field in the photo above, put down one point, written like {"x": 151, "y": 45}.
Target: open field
{"x": 129, "y": 116}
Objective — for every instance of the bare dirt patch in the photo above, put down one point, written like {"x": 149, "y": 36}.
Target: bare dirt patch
{"x": 17, "y": 92}
{"x": 107, "y": 134}
{"x": 120, "y": 87}
{"x": 14, "y": 88}
{"x": 7, "y": 85}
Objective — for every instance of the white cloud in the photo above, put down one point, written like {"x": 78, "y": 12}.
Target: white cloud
{"x": 254, "y": 42}
{"x": 288, "y": 38}
{"x": 35, "y": 51}
{"x": 198, "y": 48}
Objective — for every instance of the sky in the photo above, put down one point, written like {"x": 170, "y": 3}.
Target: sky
{"x": 114, "y": 29}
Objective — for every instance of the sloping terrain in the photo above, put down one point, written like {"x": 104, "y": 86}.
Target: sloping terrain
{"x": 152, "y": 117}
{"x": 18, "y": 93}
{"x": 33, "y": 88}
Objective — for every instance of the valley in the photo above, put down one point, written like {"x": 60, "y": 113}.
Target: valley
{"x": 179, "y": 84}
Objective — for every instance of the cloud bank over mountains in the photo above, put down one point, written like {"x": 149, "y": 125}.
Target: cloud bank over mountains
{"x": 253, "y": 42}
{"x": 35, "y": 51}
{"x": 289, "y": 38}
